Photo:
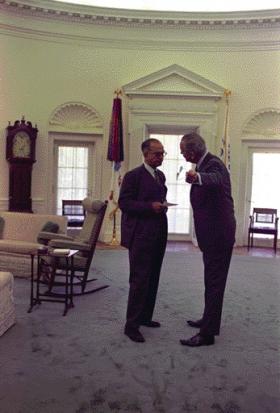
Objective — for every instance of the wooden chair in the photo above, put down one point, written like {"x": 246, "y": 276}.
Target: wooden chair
{"x": 74, "y": 211}
{"x": 85, "y": 242}
{"x": 263, "y": 221}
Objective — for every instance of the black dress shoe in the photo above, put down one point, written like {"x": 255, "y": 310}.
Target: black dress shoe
{"x": 196, "y": 324}
{"x": 150, "y": 324}
{"x": 134, "y": 335}
{"x": 198, "y": 340}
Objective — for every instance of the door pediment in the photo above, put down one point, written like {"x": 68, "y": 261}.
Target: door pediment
{"x": 174, "y": 80}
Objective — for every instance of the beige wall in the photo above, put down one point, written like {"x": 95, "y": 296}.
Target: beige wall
{"x": 40, "y": 70}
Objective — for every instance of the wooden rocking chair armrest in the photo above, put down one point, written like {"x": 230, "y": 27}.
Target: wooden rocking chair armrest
{"x": 51, "y": 235}
{"x": 74, "y": 245}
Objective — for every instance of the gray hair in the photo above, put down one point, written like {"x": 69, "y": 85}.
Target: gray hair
{"x": 193, "y": 142}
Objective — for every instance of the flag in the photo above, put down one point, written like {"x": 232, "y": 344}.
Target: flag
{"x": 225, "y": 147}
{"x": 115, "y": 152}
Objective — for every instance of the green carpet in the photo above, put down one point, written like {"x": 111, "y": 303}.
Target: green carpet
{"x": 84, "y": 363}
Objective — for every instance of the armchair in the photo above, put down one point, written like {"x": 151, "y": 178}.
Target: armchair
{"x": 263, "y": 221}
{"x": 74, "y": 211}
{"x": 85, "y": 242}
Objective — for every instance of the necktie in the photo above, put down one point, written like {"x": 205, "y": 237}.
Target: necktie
{"x": 157, "y": 178}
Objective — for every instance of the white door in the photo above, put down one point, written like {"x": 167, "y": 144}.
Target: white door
{"x": 74, "y": 172}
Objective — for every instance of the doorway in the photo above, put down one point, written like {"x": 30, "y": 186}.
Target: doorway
{"x": 264, "y": 193}
{"x": 261, "y": 160}
{"x": 265, "y": 171}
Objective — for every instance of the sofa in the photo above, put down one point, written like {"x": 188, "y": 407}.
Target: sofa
{"x": 7, "y": 305}
{"x": 19, "y": 239}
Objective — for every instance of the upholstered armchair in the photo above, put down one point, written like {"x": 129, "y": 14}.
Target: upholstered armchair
{"x": 85, "y": 243}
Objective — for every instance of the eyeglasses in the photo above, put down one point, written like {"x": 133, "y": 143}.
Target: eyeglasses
{"x": 158, "y": 154}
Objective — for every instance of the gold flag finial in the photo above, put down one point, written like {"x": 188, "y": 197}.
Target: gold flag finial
{"x": 227, "y": 93}
{"x": 118, "y": 92}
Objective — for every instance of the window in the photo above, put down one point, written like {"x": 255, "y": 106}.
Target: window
{"x": 73, "y": 172}
{"x": 174, "y": 167}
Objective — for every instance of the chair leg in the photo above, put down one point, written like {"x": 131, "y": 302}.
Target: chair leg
{"x": 52, "y": 280}
{"x": 275, "y": 243}
{"x": 250, "y": 241}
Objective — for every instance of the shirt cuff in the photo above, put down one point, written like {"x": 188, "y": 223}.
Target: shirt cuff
{"x": 198, "y": 181}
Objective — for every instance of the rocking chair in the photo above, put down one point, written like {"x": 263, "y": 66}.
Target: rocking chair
{"x": 85, "y": 242}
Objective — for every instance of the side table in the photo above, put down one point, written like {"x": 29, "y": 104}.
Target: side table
{"x": 52, "y": 263}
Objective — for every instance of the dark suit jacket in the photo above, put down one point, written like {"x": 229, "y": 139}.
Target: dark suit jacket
{"x": 212, "y": 205}
{"x": 138, "y": 190}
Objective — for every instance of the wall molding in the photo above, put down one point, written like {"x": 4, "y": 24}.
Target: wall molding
{"x": 265, "y": 122}
{"x": 51, "y": 21}
{"x": 122, "y": 17}
{"x": 76, "y": 117}
{"x": 155, "y": 102}
{"x": 166, "y": 44}
{"x": 174, "y": 81}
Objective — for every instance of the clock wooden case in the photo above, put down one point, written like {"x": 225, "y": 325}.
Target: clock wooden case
{"x": 20, "y": 153}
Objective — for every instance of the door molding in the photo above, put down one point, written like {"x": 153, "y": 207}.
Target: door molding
{"x": 248, "y": 147}
{"x": 173, "y": 98}
{"x": 76, "y": 123}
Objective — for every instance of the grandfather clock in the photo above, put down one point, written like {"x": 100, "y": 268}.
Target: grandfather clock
{"x": 20, "y": 153}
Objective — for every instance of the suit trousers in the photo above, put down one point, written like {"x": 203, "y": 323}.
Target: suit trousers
{"x": 216, "y": 266}
{"x": 145, "y": 260}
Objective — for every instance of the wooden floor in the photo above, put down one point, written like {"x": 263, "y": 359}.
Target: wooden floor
{"x": 184, "y": 246}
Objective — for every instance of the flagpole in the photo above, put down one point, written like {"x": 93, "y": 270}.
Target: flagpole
{"x": 115, "y": 155}
{"x": 227, "y": 94}
{"x": 111, "y": 194}
{"x": 113, "y": 213}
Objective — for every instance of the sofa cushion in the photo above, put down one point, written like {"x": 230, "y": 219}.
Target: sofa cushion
{"x": 19, "y": 247}
{"x": 23, "y": 226}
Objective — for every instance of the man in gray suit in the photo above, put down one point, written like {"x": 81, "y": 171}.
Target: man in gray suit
{"x": 214, "y": 222}
{"x": 144, "y": 232}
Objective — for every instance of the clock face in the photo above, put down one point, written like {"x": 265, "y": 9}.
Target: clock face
{"x": 21, "y": 145}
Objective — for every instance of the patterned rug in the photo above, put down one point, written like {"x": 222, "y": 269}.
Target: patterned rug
{"x": 84, "y": 363}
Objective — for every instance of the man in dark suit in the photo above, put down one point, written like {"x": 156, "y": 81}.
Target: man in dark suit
{"x": 214, "y": 222}
{"x": 144, "y": 232}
